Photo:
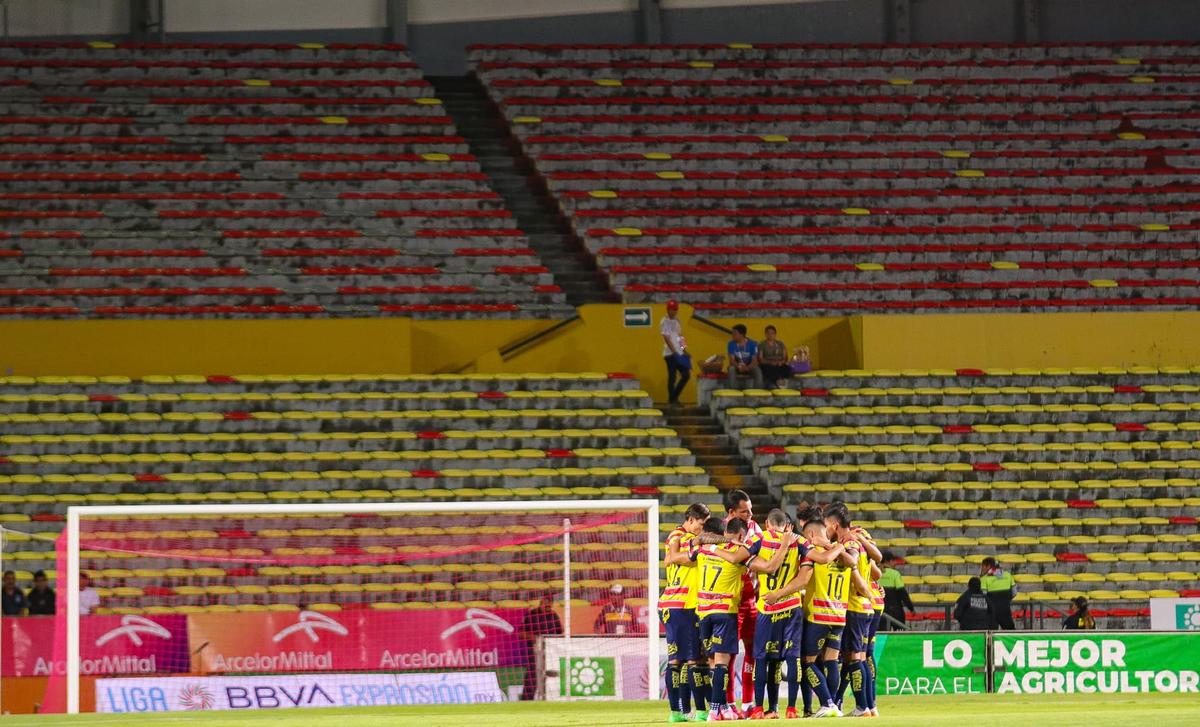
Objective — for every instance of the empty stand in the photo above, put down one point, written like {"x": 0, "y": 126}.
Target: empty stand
{"x": 333, "y": 439}
{"x": 247, "y": 180}
{"x": 831, "y": 179}
{"x": 1083, "y": 481}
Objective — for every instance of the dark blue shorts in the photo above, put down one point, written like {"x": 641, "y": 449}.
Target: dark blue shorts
{"x": 683, "y": 634}
{"x": 719, "y": 633}
{"x": 771, "y": 634}
{"x": 818, "y": 637}
{"x": 793, "y": 640}
{"x": 857, "y": 632}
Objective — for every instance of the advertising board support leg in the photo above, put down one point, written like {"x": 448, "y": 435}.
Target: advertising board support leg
{"x": 988, "y": 672}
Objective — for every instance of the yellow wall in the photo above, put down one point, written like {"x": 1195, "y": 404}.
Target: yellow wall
{"x": 1009, "y": 340}
{"x": 137, "y": 348}
{"x": 598, "y": 342}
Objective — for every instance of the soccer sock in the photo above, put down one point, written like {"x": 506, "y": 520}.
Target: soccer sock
{"x": 748, "y": 673}
{"x": 700, "y": 686}
{"x": 871, "y": 681}
{"x": 806, "y": 693}
{"x": 793, "y": 680}
{"x": 844, "y": 679}
{"x": 720, "y": 679}
{"x": 867, "y": 682}
{"x": 774, "y": 676}
{"x": 730, "y": 688}
{"x": 761, "y": 674}
{"x": 833, "y": 672}
{"x": 672, "y": 679}
{"x": 817, "y": 680}
{"x": 685, "y": 687}
{"x": 858, "y": 683}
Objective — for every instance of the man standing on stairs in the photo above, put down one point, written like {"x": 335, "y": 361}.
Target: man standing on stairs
{"x": 738, "y": 505}
{"x": 679, "y": 364}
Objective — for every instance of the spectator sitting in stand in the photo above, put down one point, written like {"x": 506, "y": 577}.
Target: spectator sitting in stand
{"x": 1079, "y": 617}
{"x": 743, "y": 359}
{"x": 14, "y": 598}
{"x": 773, "y": 359}
{"x": 89, "y": 599}
{"x": 616, "y": 618}
{"x": 41, "y": 597}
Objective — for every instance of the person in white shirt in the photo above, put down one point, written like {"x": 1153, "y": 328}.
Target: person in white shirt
{"x": 89, "y": 600}
{"x": 679, "y": 366}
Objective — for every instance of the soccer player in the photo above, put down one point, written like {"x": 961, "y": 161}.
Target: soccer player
{"x": 856, "y": 592}
{"x": 721, "y": 570}
{"x": 794, "y": 644}
{"x": 774, "y": 620}
{"x": 738, "y": 505}
{"x": 860, "y": 616}
{"x": 778, "y": 631}
{"x": 877, "y": 604}
{"x": 678, "y": 609}
{"x": 824, "y": 609}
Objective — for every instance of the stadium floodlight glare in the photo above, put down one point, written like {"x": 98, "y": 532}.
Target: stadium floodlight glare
{"x": 533, "y": 538}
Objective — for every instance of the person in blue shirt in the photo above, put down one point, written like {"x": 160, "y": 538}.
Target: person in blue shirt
{"x": 743, "y": 359}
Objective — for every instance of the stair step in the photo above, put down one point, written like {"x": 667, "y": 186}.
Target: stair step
{"x": 489, "y": 138}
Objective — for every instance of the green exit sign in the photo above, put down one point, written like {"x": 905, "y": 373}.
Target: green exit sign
{"x": 637, "y": 317}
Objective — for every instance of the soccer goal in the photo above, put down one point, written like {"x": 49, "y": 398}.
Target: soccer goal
{"x": 304, "y": 605}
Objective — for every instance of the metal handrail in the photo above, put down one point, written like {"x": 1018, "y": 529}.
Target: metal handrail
{"x": 712, "y": 324}
{"x": 511, "y": 349}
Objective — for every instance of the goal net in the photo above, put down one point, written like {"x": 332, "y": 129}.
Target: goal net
{"x": 292, "y": 606}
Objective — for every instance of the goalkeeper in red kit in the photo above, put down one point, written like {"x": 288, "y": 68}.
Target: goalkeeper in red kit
{"x": 738, "y": 505}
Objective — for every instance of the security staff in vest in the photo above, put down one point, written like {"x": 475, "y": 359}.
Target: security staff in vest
{"x": 1001, "y": 589}
{"x": 896, "y": 600}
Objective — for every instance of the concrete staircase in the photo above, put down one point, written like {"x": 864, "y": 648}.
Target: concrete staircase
{"x": 514, "y": 178}
{"x": 718, "y": 455}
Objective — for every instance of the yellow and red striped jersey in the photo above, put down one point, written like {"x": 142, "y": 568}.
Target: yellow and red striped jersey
{"x": 680, "y": 591}
{"x": 876, "y": 587}
{"x": 861, "y": 602}
{"x": 765, "y": 546}
{"x": 829, "y": 590}
{"x": 720, "y": 587}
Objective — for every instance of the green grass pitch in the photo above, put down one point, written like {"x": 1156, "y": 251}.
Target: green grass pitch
{"x": 1090, "y": 710}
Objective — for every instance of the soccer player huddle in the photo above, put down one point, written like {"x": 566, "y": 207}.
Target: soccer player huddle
{"x": 815, "y": 589}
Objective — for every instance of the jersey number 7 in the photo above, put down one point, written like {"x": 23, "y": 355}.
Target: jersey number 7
{"x": 716, "y": 574}
{"x": 778, "y": 577}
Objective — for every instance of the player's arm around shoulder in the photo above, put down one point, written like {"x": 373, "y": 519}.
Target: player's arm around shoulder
{"x": 794, "y": 586}
{"x": 676, "y": 555}
{"x": 825, "y": 556}
{"x": 736, "y": 553}
{"x": 759, "y": 565}
{"x": 849, "y": 554}
{"x": 866, "y": 544}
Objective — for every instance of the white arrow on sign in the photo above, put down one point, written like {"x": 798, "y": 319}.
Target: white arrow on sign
{"x": 637, "y": 317}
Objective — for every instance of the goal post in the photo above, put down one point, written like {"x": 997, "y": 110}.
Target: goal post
{"x": 411, "y": 563}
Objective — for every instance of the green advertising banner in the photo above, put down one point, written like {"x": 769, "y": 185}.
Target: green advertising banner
{"x": 931, "y": 663}
{"x": 1126, "y": 663}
